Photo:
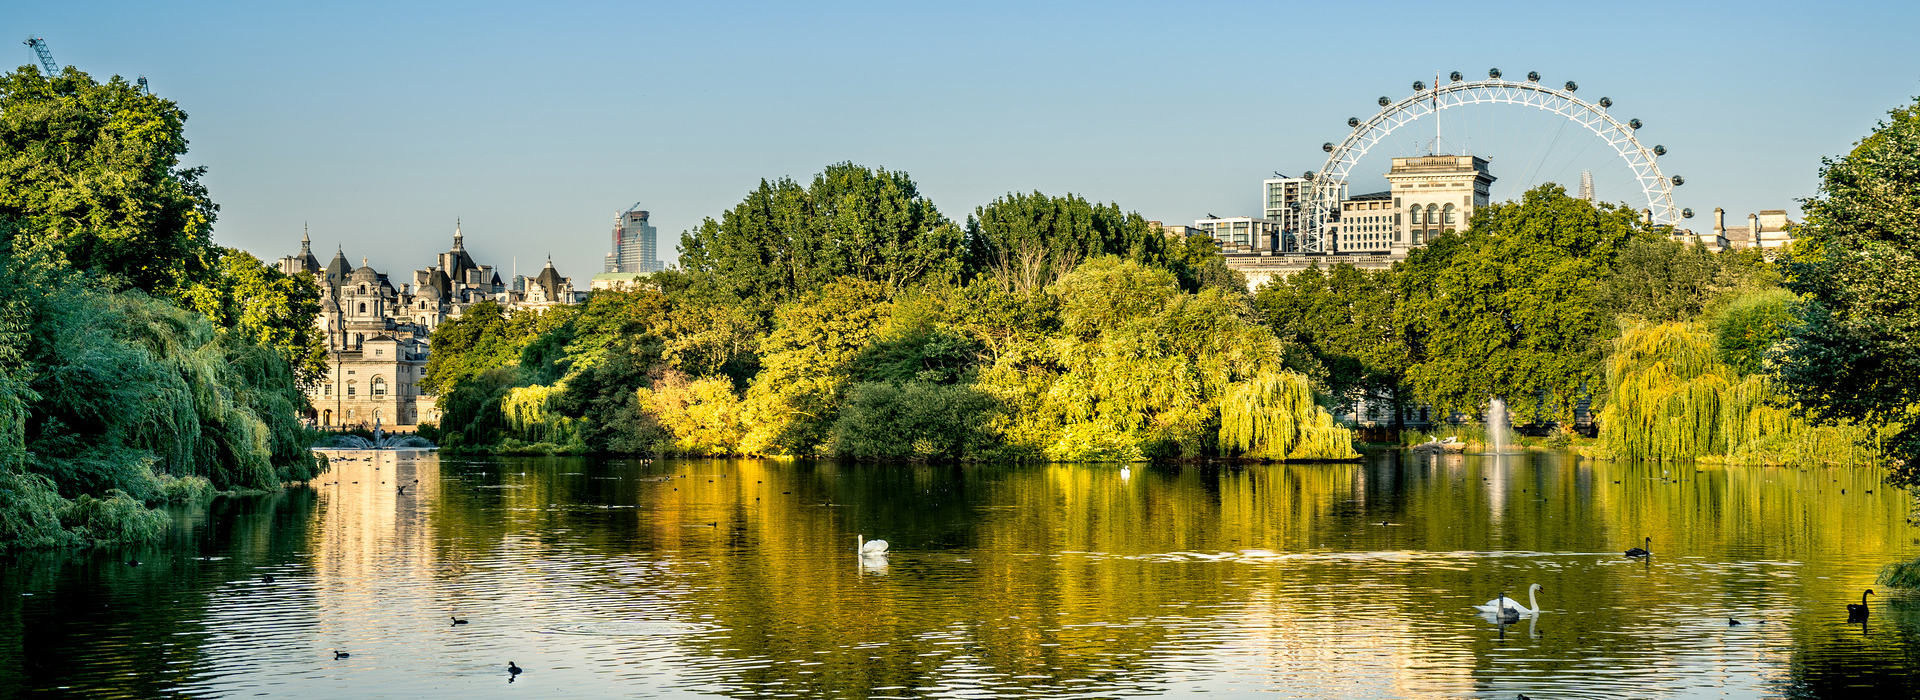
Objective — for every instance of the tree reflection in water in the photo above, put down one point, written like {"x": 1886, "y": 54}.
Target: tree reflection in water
{"x": 736, "y": 578}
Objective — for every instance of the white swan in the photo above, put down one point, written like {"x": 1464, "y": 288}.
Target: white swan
{"x": 865, "y": 547}
{"x": 1503, "y": 605}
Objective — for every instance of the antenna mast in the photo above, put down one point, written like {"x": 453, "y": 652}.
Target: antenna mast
{"x": 46, "y": 56}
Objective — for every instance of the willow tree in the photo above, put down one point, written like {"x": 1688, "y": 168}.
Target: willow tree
{"x": 1672, "y": 396}
{"x": 1273, "y": 416}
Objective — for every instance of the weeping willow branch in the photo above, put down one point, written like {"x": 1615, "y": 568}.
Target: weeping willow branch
{"x": 1273, "y": 416}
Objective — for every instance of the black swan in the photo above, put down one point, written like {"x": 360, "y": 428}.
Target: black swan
{"x": 1858, "y": 613}
{"x": 1642, "y": 552}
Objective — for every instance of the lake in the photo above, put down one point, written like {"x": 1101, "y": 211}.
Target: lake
{"x": 692, "y": 578}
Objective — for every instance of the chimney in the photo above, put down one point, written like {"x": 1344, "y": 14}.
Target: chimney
{"x": 1753, "y": 229}
{"x": 1719, "y": 222}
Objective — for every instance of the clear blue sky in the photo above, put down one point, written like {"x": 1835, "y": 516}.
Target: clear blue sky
{"x": 378, "y": 123}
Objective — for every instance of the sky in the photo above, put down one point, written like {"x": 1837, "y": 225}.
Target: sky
{"x": 377, "y": 124}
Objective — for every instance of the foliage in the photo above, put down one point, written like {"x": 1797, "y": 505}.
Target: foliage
{"x": 702, "y": 416}
{"x": 1273, "y": 416}
{"x": 1024, "y": 242}
{"x": 1674, "y": 398}
{"x": 1855, "y": 355}
{"x": 1751, "y": 325}
{"x": 868, "y": 224}
{"x": 914, "y": 419}
{"x": 1345, "y": 319}
{"x": 484, "y": 337}
{"x": 271, "y": 308}
{"x": 807, "y": 362}
{"x": 1660, "y": 280}
{"x": 90, "y": 179}
{"x": 1506, "y": 308}
{"x": 1900, "y": 574}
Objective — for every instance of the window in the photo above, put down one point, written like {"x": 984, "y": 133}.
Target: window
{"x": 1433, "y": 214}
{"x": 378, "y": 351}
{"x": 327, "y": 390}
{"x": 350, "y": 388}
{"x": 379, "y": 386}
{"x": 363, "y": 307}
{"x": 1449, "y": 213}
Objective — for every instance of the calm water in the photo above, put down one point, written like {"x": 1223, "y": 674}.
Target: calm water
{"x": 738, "y": 579}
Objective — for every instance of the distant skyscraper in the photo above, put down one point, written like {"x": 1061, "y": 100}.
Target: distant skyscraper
{"x": 1586, "y": 185}
{"x": 635, "y": 243}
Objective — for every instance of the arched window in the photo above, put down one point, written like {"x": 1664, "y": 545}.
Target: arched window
{"x": 363, "y": 289}
{"x": 379, "y": 386}
{"x": 1449, "y": 214}
{"x": 363, "y": 307}
{"x": 1413, "y": 214}
{"x": 326, "y": 417}
{"x": 1433, "y": 214}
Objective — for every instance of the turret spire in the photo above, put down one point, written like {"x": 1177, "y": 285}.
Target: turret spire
{"x": 457, "y": 238}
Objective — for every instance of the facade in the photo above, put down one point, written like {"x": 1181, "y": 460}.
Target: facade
{"x": 619, "y": 281}
{"x": 1367, "y": 224}
{"x": 1433, "y": 194}
{"x": 1242, "y": 235}
{"x": 1766, "y": 230}
{"x": 635, "y": 243}
{"x": 1288, "y": 201}
{"x": 377, "y": 332}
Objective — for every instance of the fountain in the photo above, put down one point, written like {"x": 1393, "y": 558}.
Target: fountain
{"x": 1497, "y": 428}
{"x": 381, "y": 441}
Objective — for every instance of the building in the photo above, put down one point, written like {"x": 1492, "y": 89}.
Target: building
{"x": 377, "y": 332}
{"x": 635, "y": 243}
{"x": 1434, "y": 194}
{"x": 1289, "y": 200}
{"x": 1366, "y": 223}
{"x": 1242, "y": 235}
{"x": 619, "y": 281}
{"x": 1767, "y": 230}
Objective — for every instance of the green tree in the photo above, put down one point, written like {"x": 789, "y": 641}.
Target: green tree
{"x": 1661, "y": 280}
{"x": 1345, "y": 319}
{"x": 1026, "y": 241}
{"x": 90, "y": 176}
{"x": 270, "y": 307}
{"x": 1507, "y": 309}
{"x": 869, "y": 224}
{"x": 807, "y": 365}
{"x": 1855, "y": 356}
{"x": 484, "y": 337}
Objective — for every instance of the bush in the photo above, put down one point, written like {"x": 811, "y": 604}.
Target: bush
{"x": 116, "y": 519}
{"x": 186, "y": 489}
{"x": 914, "y": 419}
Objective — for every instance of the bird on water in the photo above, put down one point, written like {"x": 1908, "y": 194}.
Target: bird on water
{"x": 456, "y": 620}
{"x": 1642, "y": 551}
{"x": 338, "y": 654}
{"x": 1858, "y": 612}
{"x": 864, "y": 546}
{"x": 513, "y": 670}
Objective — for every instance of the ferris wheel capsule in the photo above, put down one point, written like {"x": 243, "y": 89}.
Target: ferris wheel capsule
{"x": 1419, "y": 85}
{"x": 1572, "y": 86}
{"x": 1686, "y": 213}
{"x": 1635, "y": 123}
{"x": 1455, "y": 76}
{"x": 1384, "y": 101}
{"x": 1606, "y": 102}
{"x": 1328, "y": 147}
{"x": 1493, "y": 73}
{"x": 1533, "y": 76}
{"x": 1678, "y": 181}
{"x": 1659, "y": 150}
{"x": 1353, "y": 122}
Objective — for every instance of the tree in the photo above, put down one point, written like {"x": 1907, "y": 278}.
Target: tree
{"x": 90, "y": 177}
{"x": 273, "y": 308}
{"x": 1506, "y": 308}
{"x": 1345, "y": 319}
{"x": 1026, "y": 241}
{"x": 1855, "y": 355}
{"x": 807, "y": 364}
{"x": 868, "y": 224}
{"x": 1660, "y": 280}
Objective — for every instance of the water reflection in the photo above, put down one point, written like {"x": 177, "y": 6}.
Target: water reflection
{"x": 740, "y": 578}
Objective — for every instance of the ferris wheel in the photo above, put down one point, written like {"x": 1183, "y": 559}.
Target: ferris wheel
{"x": 1329, "y": 183}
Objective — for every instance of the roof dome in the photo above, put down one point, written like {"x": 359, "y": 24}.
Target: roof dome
{"x": 365, "y": 274}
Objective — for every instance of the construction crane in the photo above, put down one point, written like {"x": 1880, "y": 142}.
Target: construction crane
{"x": 46, "y": 57}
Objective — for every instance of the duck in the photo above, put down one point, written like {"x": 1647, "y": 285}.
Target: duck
{"x": 456, "y": 620}
{"x": 1642, "y": 551}
{"x": 267, "y": 578}
{"x": 338, "y": 654}
{"x": 1733, "y": 623}
{"x": 1858, "y": 613}
{"x": 513, "y": 670}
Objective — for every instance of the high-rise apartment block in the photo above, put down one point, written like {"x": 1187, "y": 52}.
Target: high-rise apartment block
{"x": 635, "y": 243}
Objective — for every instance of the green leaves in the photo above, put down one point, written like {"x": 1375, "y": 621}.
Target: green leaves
{"x": 1506, "y": 308}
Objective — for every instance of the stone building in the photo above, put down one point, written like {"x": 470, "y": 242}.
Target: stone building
{"x": 377, "y": 333}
